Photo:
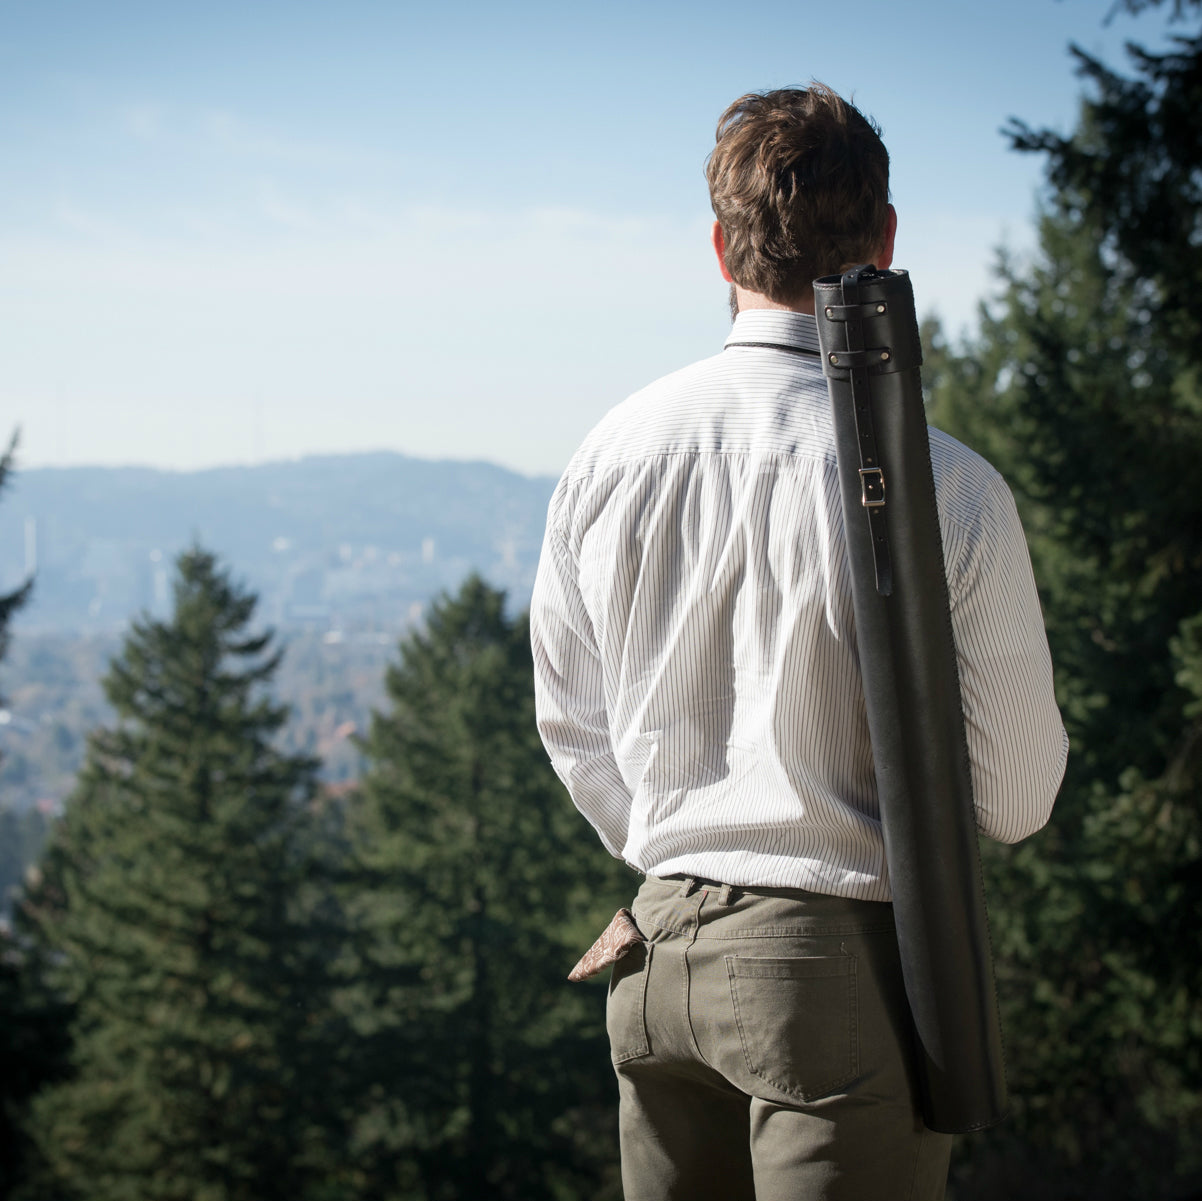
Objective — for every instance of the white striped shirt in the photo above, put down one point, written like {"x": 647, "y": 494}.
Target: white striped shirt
{"x": 695, "y": 652}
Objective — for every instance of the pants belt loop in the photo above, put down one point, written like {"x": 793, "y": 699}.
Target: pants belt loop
{"x": 724, "y": 895}
{"x": 687, "y": 886}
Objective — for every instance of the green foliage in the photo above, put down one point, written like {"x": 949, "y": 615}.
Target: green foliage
{"x": 1085, "y": 389}
{"x": 1096, "y": 424}
{"x": 478, "y": 888}
{"x": 181, "y": 904}
{"x": 1131, "y": 168}
{"x": 437, "y": 1049}
{"x": 32, "y": 1046}
{"x": 33, "y": 1050}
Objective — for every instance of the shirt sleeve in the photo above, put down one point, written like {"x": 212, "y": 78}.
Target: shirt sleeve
{"x": 1017, "y": 744}
{"x": 569, "y": 688}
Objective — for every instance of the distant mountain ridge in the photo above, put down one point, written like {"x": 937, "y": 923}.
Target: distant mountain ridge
{"x": 360, "y": 541}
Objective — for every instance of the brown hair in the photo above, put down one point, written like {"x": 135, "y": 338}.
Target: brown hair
{"x": 799, "y": 181}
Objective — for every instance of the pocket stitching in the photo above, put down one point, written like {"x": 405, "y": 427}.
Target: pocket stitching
{"x": 853, "y": 1066}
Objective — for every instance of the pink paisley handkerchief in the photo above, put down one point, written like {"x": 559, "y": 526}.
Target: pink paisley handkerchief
{"x": 615, "y": 941}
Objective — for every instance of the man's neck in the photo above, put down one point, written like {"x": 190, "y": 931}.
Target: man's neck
{"x": 742, "y": 300}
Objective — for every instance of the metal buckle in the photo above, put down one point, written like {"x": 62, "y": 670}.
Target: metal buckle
{"x": 872, "y": 487}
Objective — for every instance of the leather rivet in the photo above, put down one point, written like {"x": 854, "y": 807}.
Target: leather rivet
{"x": 830, "y": 312}
{"x": 835, "y": 359}
{"x": 884, "y": 355}
{"x": 880, "y": 308}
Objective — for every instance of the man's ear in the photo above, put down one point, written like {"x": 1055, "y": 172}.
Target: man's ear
{"x": 720, "y": 250}
{"x": 885, "y": 258}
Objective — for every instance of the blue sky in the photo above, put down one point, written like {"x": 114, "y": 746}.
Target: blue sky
{"x": 232, "y": 232}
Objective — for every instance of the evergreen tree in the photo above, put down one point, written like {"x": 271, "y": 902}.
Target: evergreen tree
{"x": 31, "y": 1025}
{"x": 1085, "y": 389}
{"x": 1133, "y": 170}
{"x": 33, "y": 1049}
{"x": 480, "y": 887}
{"x": 181, "y": 899}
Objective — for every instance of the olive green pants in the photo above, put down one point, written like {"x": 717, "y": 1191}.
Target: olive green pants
{"x": 761, "y": 1042}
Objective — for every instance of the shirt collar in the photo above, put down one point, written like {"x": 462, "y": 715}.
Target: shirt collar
{"x": 780, "y": 326}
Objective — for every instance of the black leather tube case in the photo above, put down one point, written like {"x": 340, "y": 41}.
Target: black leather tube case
{"x": 871, "y": 355}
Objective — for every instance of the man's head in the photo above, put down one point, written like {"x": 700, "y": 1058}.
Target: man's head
{"x": 799, "y": 181}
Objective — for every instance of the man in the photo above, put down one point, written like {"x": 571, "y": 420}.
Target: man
{"x": 700, "y": 696}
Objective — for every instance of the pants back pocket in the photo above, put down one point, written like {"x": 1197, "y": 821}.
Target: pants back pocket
{"x": 626, "y": 1009}
{"x": 797, "y": 1021}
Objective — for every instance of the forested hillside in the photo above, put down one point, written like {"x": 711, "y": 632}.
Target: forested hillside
{"x": 360, "y": 541}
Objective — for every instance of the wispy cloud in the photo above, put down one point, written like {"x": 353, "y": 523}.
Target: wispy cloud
{"x": 143, "y": 122}
{"x": 235, "y": 135}
{"x": 232, "y": 135}
{"x": 292, "y": 215}
{"x": 77, "y": 220}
